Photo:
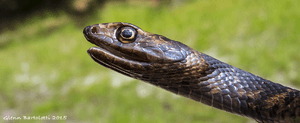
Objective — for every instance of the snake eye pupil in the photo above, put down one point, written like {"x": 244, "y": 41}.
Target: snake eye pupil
{"x": 126, "y": 33}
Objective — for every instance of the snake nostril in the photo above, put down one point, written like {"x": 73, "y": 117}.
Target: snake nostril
{"x": 94, "y": 29}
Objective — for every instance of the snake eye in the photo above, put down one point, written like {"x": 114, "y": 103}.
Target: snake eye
{"x": 126, "y": 34}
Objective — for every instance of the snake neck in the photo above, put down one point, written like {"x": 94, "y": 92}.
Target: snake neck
{"x": 188, "y": 72}
{"x": 217, "y": 84}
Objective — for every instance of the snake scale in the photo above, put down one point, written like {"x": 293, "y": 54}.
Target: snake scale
{"x": 171, "y": 65}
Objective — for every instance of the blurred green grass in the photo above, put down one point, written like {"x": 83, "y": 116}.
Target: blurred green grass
{"x": 45, "y": 69}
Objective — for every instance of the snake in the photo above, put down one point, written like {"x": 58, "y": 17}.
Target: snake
{"x": 175, "y": 67}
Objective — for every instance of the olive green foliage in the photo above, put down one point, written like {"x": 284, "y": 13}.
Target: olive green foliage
{"x": 45, "y": 70}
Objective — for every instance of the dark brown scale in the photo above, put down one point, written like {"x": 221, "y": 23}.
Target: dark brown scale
{"x": 179, "y": 69}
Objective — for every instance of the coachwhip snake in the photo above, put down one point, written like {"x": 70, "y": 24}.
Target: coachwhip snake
{"x": 173, "y": 66}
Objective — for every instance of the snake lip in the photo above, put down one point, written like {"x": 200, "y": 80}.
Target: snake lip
{"x": 114, "y": 61}
{"x": 104, "y": 53}
{"x": 99, "y": 56}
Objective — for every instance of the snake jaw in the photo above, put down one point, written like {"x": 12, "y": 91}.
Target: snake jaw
{"x": 118, "y": 63}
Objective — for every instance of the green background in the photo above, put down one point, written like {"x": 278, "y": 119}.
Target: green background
{"x": 46, "y": 71}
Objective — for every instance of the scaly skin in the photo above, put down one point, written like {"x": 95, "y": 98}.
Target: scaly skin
{"x": 173, "y": 66}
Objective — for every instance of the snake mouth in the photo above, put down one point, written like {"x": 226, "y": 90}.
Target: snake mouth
{"x": 99, "y": 55}
{"x": 117, "y": 63}
{"x": 107, "y": 54}
{"x": 111, "y": 55}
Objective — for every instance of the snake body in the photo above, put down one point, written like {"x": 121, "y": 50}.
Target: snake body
{"x": 173, "y": 66}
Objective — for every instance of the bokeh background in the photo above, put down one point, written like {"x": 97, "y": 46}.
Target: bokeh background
{"x": 45, "y": 70}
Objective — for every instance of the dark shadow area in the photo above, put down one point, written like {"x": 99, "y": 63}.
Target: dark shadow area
{"x": 15, "y": 11}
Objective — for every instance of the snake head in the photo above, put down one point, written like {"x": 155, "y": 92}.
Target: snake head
{"x": 129, "y": 42}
